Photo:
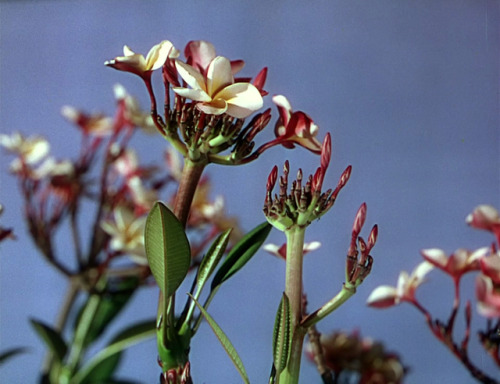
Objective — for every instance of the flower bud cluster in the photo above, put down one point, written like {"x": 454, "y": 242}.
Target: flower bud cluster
{"x": 359, "y": 262}
{"x": 304, "y": 202}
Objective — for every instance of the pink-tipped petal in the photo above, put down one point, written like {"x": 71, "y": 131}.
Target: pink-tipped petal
{"x": 382, "y": 297}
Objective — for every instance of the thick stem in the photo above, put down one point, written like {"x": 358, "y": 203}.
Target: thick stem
{"x": 293, "y": 289}
{"x": 191, "y": 175}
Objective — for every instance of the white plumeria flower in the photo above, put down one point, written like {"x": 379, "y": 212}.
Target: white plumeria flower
{"x": 488, "y": 297}
{"x": 140, "y": 65}
{"x": 217, "y": 93}
{"x": 127, "y": 233}
{"x": 387, "y": 296}
{"x": 30, "y": 149}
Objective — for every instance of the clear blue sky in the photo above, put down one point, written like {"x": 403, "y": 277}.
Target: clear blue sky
{"x": 409, "y": 91}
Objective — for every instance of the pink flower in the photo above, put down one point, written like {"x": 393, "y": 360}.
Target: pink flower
{"x": 216, "y": 92}
{"x": 488, "y": 297}
{"x": 387, "y": 296}
{"x": 295, "y": 127}
{"x": 459, "y": 263}
{"x": 485, "y": 217}
{"x": 140, "y": 65}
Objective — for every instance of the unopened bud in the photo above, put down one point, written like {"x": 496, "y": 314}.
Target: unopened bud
{"x": 372, "y": 239}
{"x": 326, "y": 152}
{"x": 271, "y": 179}
{"x": 359, "y": 220}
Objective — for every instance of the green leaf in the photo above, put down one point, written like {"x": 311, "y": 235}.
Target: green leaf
{"x": 230, "y": 350}
{"x": 167, "y": 248}
{"x": 52, "y": 339}
{"x": 116, "y": 296}
{"x": 9, "y": 353}
{"x": 103, "y": 371}
{"x": 212, "y": 258}
{"x": 281, "y": 335}
{"x": 125, "y": 339}
{"x": 241, "y": 253}
{"x": 205, "y": 270}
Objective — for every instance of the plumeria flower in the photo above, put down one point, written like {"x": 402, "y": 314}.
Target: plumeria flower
{"x": 127, "y": 233}
{"x": 488, "y": 297}
{"x": 96, "y": 125}
{"x": 216, "y": 92}
{"x": 485, "y": 217}
{"x": 30, "y": 149}
{"x": 280, "y": 251}
{"x": 143, "y": 66}
{"x": 295, "y": 127}
{"x": 458, "y": 263}
{"x": 387, "y": 296}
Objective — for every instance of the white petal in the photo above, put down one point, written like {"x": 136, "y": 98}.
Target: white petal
{"x": 158, "y": 55}
{"x": 435, "y": 256}
{"x": 383, "y": 296}
{"x": 216, "y": 107}
{"x": 127, "y": 51}
{"x": 193, "y": 94}
{"x": 191, "y": 76}
{"x": 218, "y": 75}
{"x": 421, "y": 270}
{"x": 243, "y": 99}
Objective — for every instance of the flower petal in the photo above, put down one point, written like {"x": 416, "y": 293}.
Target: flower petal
{"x": 435, "y": 256}
{"x": 193, "y": 94}
{"x": 199, "y": 54}
{"x": 382, "y": 297}
{"x": 242, "y": 98}
{"x": 215, "y": 107}
{"x": 218, "y": 75}
{"x": 284, "y": 108}
{"x": 191, "y": 76}
{"x": 158, "y": 55}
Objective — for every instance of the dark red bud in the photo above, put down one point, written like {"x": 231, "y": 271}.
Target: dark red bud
{"x": 271, "y": 180}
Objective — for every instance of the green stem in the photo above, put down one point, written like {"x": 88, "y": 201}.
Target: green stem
{"x": 293, "y": 289}
{"x": 79, "y": 341}
{"x": 339, "y": 299}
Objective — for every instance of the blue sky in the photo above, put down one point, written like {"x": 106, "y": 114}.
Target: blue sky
{"x": 408, "y": 90}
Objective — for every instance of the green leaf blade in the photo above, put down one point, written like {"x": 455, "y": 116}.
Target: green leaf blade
{"x": 226, "y": 344}
{"x": 212, "y": 258}
{"x": 52, "y": 339}
{"x": 241, "y": 253}
{"x": 167, "y": 248}
{"x": 105, "y": 358}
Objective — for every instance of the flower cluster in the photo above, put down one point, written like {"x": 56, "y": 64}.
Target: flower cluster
{"x": 483, "y": 261}
{"x": 304, "y": 203}
{"x": 211, "y": 104}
